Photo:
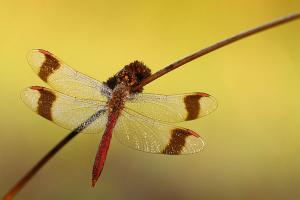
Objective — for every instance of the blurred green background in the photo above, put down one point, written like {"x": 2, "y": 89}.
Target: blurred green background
{"x": 252, "y": 140}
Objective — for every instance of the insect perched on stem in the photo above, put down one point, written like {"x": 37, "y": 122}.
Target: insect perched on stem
{"x": 142, "y": 121}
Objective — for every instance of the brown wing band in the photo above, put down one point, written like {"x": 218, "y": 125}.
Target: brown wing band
{"x": 45, "y": 102}
{"x": 49, "y": 65}
{"x": 177, "y": 141}
{"x": 192, "y": 105}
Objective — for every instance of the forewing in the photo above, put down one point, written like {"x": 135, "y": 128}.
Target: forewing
{"x": 145, "y": 134}
{"x": 172, "y": 108}
{"x": 63, "y": 110}
{"x": 63, "y": 78}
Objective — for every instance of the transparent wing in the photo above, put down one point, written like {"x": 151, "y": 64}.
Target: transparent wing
{"x": 145, "y": 134}
{"x": 63, "y": 78}
{"x": 65, "y": 111}
{"x": 172, "y": 108}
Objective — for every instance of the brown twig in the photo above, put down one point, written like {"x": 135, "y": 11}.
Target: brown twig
{"x": 216, "y": 46}
{"x": 21, "y": 183}
{"x": 151, "y": 78}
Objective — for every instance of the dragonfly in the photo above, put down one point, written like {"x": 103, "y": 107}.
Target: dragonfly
{"x": 142, "y": 121}
{"x": 145, "y": 122}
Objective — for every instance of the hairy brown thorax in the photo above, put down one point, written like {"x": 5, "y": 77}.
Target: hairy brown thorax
{"x": 131, "y": 75}
{"x": 119, "y": 96}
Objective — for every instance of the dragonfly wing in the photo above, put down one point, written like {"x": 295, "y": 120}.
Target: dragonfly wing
{"x": 145, "y": 134}
{"x": 65, "y": 111}
{"x": 172, "y": 108}
{"x": 63, "y": 78}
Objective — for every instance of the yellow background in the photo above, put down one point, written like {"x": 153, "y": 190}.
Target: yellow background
{"x": 252, "y": 140}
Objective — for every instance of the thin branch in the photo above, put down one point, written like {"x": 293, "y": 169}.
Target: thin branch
{"x": 154, "y": 76}
{"x": 22, "y": 182}
{"x": 216, "y": 46}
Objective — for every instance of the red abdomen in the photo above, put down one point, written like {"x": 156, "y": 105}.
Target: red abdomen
{"x": 103, "y": 148}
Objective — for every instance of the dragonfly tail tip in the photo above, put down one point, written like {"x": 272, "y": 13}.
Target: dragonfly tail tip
{"x": 93, "y": 183}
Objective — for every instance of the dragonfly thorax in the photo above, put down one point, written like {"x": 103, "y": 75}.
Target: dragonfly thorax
{"x": 119, "y": 96}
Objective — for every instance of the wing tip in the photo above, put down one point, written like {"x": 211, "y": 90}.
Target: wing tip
{"x": 30, "y": 97}
{"x": 37, "y": 88}
{"x": 212, "y": 103}
{"x": 193, "y": 133}
{"x": 202, "y": 94}
{"x": 44, "y": 51}
{"x": 35, "y": 58}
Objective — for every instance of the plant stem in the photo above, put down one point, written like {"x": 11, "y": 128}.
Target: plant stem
{"x": 216, "y": 46}
{"x": 22, "y": 182}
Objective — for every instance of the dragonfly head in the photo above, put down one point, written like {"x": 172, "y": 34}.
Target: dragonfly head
{"x": 131, "y": 75}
